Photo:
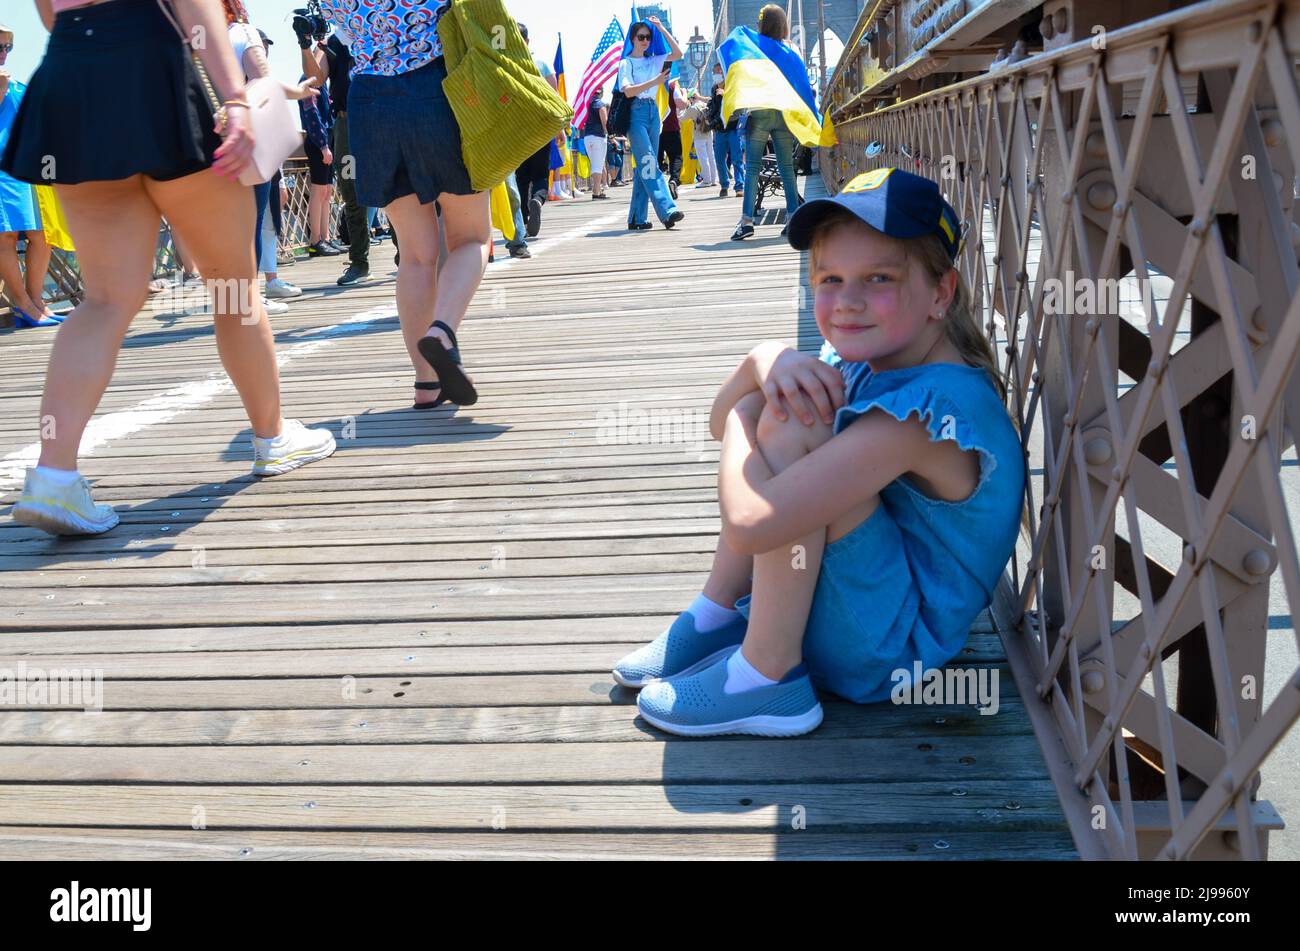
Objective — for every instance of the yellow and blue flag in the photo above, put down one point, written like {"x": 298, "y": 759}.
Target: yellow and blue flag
{"x": 559, "y": 67}
{"x": 763, "y": 73}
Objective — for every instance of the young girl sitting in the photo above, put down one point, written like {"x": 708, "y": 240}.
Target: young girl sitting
{"x": 870, "y": 500}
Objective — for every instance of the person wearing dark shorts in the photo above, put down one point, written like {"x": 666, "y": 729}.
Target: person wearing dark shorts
{"x": 331, "y": 61}
{"x": 317, "y": 122}
{"x": 407, "y": 150}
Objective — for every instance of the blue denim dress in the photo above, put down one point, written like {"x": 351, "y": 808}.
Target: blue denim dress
{"x": 907, "y": 583}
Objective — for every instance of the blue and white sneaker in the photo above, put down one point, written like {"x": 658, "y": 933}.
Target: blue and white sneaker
{"x": 699, "y": 706}
{"x": 679, "y": 651}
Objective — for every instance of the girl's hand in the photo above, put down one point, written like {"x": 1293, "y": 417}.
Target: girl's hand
{"x": 804, "y": 384}
{"x": 327, "y": 156}
{"x": 236, "y": 150}
{"x": 304, "y": 90}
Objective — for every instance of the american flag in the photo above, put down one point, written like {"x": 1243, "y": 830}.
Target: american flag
{"x": 603, "y": 67}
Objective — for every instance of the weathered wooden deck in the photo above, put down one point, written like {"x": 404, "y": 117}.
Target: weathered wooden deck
{"x": 405, "y": 650}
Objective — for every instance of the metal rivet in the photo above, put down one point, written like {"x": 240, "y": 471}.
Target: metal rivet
{"x": 245, "y": 852}
{"x": 166, "y": 528}
{"x": 1093, "y": 681}
{"x": 1198, "y": 227}
{"x": 176, "y": 514}
{"x": 1257, "y": 562}
{"x": 940, "y": 844}
{"x": 1117, "y": 474}
{"x": 1013, "y": 805}
{"x": 204, "y": 499}
{"x": 1101, "y": 195}
{"x": 959, "y": 791}
{"x": 310, "y": 804}
{"x": 1097, "y": 450}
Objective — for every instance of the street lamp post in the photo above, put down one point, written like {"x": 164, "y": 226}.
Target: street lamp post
{"x": 697, "y": 54}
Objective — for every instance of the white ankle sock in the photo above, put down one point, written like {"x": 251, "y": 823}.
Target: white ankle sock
{"x": 709, "y": 615}
{"x": 273, "y": 440}
{"x": 58, "y": 476}
{"x": 742, "y": 676}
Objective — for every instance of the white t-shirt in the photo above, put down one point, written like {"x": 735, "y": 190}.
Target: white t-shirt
{"x": 635, "y": 70}
{"x": 242, "y": 36}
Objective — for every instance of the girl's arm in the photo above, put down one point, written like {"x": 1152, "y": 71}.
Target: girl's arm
{"x": 637, "y": 88}
{"x": 604, "y": 121}
{"x": 808, "y": 386}
{"x": 762, "y": 512}
{"x": 675, "y": 51}
{"x": 217, "y": 55}
{"x": 45, "y": 10}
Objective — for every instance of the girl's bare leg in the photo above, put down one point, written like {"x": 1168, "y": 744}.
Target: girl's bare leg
{"x": 11, "y": 275}
{"x": 38, "y": 262}
{"x": 215, "y": 217}
{"x": 115, "y": 227}
{"x": 786, "y": 578}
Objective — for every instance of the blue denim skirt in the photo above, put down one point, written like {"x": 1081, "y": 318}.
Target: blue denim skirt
{"x": 404, "y": 137}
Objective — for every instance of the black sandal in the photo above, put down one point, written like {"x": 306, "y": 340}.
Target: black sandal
{"x": 456, "y": 387}
{"x": 435, "y": 385}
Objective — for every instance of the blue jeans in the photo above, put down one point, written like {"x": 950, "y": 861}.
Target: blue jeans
{"x": 762, "y": 123}
{"x": 648, "y": 183}
{"x": 516, "y": 208}
{"x": 728, "y": 144}
{"x": 265, "y": 254}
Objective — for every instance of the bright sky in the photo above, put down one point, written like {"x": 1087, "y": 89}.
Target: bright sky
{"x": 580, "y": 22}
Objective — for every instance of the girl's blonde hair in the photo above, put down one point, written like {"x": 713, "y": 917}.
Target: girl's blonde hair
{"x": 773, "y": 23}
{"x": 959, "y": 321}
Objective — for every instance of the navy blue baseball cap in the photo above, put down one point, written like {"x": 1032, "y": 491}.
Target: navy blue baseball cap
{"x": 892, "y": 201}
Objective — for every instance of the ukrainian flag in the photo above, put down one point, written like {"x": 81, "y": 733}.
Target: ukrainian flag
{"x": 763, "y": 73}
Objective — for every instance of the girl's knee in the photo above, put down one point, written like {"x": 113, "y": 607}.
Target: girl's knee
{"x": 789, "y": 436}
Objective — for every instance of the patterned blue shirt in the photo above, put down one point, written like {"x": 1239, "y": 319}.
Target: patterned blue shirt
{"x": 388, "y": 37}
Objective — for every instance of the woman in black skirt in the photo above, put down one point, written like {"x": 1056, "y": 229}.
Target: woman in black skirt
{"x": 117, "y": 119}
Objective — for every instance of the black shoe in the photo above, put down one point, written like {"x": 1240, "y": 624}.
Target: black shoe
{"x": 534, "y": 216}
{"x": 643, "y": 226}
{"x": 520, "y": 251}
{"x": 322, "y": 250}
{"x": 672, "y": 189}
{"x": 743, "y": 232}
{"x": 722, "y": 193}
{"x": 354, "y": 275}
{"x": 675, "y": 217}
{"x": 599, "y": 197}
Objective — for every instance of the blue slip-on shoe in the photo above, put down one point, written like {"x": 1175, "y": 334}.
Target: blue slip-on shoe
{"x": 699, "y": 706}
{"x": 24, "y": 322}
{"x": 679, "y": 651}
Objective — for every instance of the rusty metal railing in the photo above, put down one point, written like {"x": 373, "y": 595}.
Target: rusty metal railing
{"x": 1159, "y": 168}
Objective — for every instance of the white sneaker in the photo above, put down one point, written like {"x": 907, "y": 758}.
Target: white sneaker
{"x": 279, "y": 288}
{"x": 274, "y": 307}
{"x": 294, "y": 447}
{"x": 61, "y": 509}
